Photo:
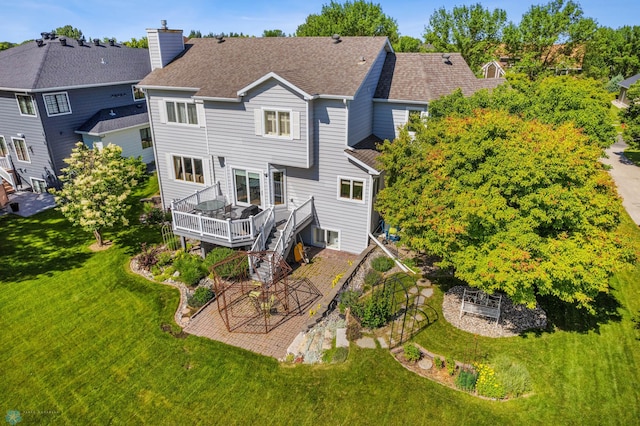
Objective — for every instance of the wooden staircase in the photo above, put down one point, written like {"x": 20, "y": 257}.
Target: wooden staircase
{"x": 8, "y": 189}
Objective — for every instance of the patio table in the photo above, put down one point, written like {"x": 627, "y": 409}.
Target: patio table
{"x": 210, "y": 207}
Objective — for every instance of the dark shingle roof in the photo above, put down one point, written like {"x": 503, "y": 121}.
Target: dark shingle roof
{"x": 29, "y": 67}
{"x": 316, "y": 65}
{"x": 629, "y": 81}
{"x": 112, "y": 119}
{"x": 366, "y": 151}
{"x": 424, "y": 77}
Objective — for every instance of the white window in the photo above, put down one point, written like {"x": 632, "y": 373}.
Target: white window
{"x": 350, "y": 189}
{"x": 326, "y": 238}
{"x": 145, "y": 138}
{"x": 25, "y": 103}
{"x": 3, "y": 147}
{"x": 181, "y": 112}
{"x": 22, "y": 152}
{"x": 414, "y": 117}
{"x": 277, "y": 123}
{"x": 248, "y": 187}
{"x": 188, "y": 169}
{"x": 279, "y": 187}
{"x": 57, "y": 103}
{"x": 138, "y": 94}
{"x": 38, "y": 185}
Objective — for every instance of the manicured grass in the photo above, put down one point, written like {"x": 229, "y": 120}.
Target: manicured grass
{"x": 81, "y": 336}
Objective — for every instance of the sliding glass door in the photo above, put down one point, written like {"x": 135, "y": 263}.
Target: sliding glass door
{"x": 247, "y": 186}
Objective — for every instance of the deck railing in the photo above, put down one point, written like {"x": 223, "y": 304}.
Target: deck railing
{"x": 5, "y": 166}
{"x": 297, "y": 216}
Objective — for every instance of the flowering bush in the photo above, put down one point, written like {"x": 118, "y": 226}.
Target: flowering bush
{"x": 487, "y": 383}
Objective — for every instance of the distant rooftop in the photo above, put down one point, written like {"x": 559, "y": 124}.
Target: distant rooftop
{"x": 113, "y": 119}
{"x": 64, "y": 63}
{"x": 629, "y": 81}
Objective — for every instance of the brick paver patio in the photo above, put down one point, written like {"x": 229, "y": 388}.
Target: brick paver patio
{"x": 324, "y": 267}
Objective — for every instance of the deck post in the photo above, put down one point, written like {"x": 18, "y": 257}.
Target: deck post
{"x": 251, "y": 227}
{"x": 197, "y": 194}
{"x": 229, "y": 237}
{"x": 200, "y": 223}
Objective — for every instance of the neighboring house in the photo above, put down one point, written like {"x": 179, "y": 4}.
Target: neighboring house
{"x": 492, "y": 69}
{"x": 52, "y": 87}
{"x": 287, "y": 124}
{"x": 624, "y": 86}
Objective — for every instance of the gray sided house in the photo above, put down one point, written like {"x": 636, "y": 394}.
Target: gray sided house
{"x": 53, "y": 93}
{"x": 254, "y": 132}
{"x": 624, "y": 86}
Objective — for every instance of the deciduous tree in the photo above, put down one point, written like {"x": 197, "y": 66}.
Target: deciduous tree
{"x": 273, "y": 33}
{"x": 96, "y": 184}
{"x": 142, "y": 43}
{"x": 512, "y": 205}
{"x": 68, "y": 31}
{"x": 358, "y": 18}
{"x": 473, "y": 31}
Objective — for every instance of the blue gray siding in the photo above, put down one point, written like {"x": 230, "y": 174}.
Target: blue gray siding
{"x": 12, "y": 123}
{"x": 361, "y": 108}
{"x": 128, "y": 139}
{"x": 388, "y": 116}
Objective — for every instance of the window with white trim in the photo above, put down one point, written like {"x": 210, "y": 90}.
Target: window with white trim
{"x": 414, "y": 118}
{"x": 145, "y": 137}
{"x": 22, "y": 152}
{"x": 248, "y": 187}
{"x": 39, "y": 185}
{"x": 138, "y": 94}
{"x": 350, "y": 189}
{"x": 25, "y": 103}
{"x": 4, "y": 151}
{"x": 277, "y": 123}
{"x": 188, "y": 169}
{"x": 326, "y": 238}
{"x": 181, "y": 112}
{"x": 57, "y": 103}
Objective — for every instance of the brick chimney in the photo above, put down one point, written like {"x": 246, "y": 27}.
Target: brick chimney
{"x": 164, "y": 45}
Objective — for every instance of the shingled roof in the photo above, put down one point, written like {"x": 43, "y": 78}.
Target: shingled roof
{"x": 315, "y": 65}
{"x": 629, "y": 81}
{"x": 367, "y": 152}
{"x": 424, "y": 77}
{"x": 53, "y": 65}
{"x": 112, "y": 119}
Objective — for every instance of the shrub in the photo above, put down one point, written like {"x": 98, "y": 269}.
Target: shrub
{"x": 353, "y": 331}
{"x": 514, "y": 377}
{"x": 466, "y": 380}
{"x": 372, "y": 278}
{"x": 190, "y": 268}
{"x": 382, "y": 263}
{"x": 487, "y": 383}
{"x": 201, "y": 296}
{"x": 375, "y": 310}
{"x": 164, "y": 258}
{"x": 155, "y": 216}
{"x": 451, "y": 366}
{"x": 148, "y": 257}
{"x": 438, "y": 362}
{"x": 412, "y": 353}
{"x": 228, "y": 270}
{"x": 348, "y": 299}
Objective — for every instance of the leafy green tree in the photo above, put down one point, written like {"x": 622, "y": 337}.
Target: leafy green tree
{"x": 631, "y": 117}
{"x": 610, "y": 52}
{"x": 273, "y": 33}
{"x": 68, "y": 31}
{"x": 142, "y": 43}
{"x": 6, "y": 45}
{"x": 408, "y": 44}
{"x": 554, "y": 100}
{"x": 512, "y": 205}
{"x": 97, "y": 183}
{"x": 547, "y": 35}
{"x": 357, "y": 18}
{"x": 473, "y": 31}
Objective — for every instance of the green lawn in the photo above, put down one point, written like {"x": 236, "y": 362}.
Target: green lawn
{"x": 82, "y": 338}
{"x": 633, "y": 155}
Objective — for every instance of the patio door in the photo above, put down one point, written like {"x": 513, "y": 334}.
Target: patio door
{"x": 247, "y": 187}
{"x": 279, "y": 193}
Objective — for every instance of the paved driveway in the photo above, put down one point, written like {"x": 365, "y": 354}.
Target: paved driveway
{"x": 627, "y": 178}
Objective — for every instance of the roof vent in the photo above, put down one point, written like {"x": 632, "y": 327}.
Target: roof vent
{"x": 40, "y": 42}
{"x": 163, "y": 24}
{"x": 80, "y": 41}
{"x": 112, "y": 114}
{"x": 52, "y": 35}
{"x": 336, "y": 38}
{"x": 220, "y": 38}
{"x": 446, "y": 58}
{"x": 102, "y": 61}
{"x": 96, "y": 41}
{"x": 112, "y": 42}
{"x": 45, "y": 36}
{"x": 63, "y": 41}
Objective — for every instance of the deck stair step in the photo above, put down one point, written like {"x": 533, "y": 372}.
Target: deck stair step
{"x": 7, "y": 187}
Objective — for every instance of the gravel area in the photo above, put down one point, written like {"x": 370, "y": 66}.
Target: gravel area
{"x": 514, "y": 319}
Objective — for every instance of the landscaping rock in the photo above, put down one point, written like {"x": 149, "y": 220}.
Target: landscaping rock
{"x": 383, "y": 342}
{"x": 425, "y": 363}
{"x": 341, "y": 338}
{"x": 366, "y": 342}
{"x": 427, "y": 292}
{"x": 327, "y": 343}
